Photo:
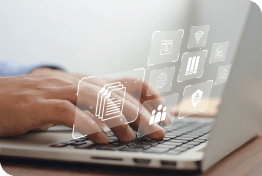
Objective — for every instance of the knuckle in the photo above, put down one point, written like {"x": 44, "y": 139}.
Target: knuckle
{"x": 62, "y": 108}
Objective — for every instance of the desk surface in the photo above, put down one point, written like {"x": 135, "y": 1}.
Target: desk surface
{"x": 247, "y": 161}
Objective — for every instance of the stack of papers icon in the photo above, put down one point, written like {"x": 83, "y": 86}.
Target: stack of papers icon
{"x": 110, "y": 101}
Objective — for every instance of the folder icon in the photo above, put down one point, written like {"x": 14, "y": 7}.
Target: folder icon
{"x": 110, "y": 101}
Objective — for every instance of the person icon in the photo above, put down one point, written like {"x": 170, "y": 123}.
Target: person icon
{"x": 152, "y": 118}
{"x": 159, "y": 114}
{"x": 163, "y": 114}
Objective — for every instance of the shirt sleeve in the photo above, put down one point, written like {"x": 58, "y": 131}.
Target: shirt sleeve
{"x": 12, "y": 68}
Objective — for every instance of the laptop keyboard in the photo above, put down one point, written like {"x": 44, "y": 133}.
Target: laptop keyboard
{"x": 180, "y": 137}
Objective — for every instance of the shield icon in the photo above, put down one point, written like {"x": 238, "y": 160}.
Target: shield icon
{"x": 196, "y": 97}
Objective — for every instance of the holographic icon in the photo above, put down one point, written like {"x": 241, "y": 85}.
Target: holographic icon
{"x": 198, "y": 36}
{"x": 196, "y": 97}
{"x": 161, "y": 80}
{"x": 108, "y": 106}
{"x": 166, "y": 47}
{"x": 219, "y": 52}
{"x": 158, "y": 115}
{"x": 192, "y": 65}
{"x": 224, "y": 74}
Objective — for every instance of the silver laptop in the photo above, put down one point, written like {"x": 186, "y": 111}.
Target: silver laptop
{"x": 212, "y": 49}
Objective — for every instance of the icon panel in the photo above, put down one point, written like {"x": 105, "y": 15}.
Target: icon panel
{"x": 109, "y": 104}
{"x": 219, "y": 52}
{"x": 165, "y": 47}
{"x": 222, "y": 74}
{"x": 195, "y": 99}
{"x": 162, "y": 79}
{"x": 198, "y": 36}
{"x": 162, "y": 112}
{"x": 192, "y": 65}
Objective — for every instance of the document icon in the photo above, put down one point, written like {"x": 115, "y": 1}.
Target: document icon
{"x": 110, "y": 101}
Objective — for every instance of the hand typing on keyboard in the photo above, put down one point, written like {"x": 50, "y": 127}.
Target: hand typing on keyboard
{"x": 48, "y": 96}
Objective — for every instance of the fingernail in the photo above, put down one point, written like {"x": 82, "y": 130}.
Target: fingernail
{"x": 103, "y": 138}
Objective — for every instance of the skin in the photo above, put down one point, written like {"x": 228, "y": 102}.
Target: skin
{"x": 47, "y": 97}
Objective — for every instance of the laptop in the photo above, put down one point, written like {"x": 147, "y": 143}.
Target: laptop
{"x": 227, "y": 33}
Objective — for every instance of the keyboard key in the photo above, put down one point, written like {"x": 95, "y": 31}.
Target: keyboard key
{"x": 185, "y": 138}
{"x": 89, "y": 146}
{"x": 111, "y": 147}
{"x": 78, "y": 143}
{"x": 165, "y": 146}
{"x": 151, "y": 143}
{"x": 200, "y": 140}
{"x": 112, "y": 138}
{"x": 169, "y": 143}
{"x": 170, "y": 135}
{"x": 135, "y": 146}
{"x": 79, "y": 139}
{"x": 195, "y": 133}
{"x": 166, "y": 138}
{"x": 193, "y": 143}
{"x": 187, "y": 146}
{"x": 144, "y": 146}
{"x": 67, "y": 142}
{"x": 180, "y": 149}
{"x": 178, "y": 141}
{"x": 160, "y": 141}
{"x": 58, "y": 145}
{"x": 204, "y": 138}
{"x": 110, "y": 133}
{"x": 190, "y": 136}
{"x": 156, "y": 150}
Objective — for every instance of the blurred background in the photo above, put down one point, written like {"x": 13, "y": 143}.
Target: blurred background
{"x": 100, "y": 37}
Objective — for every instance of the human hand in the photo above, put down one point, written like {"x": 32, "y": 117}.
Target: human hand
{"x": 49, "y": 97}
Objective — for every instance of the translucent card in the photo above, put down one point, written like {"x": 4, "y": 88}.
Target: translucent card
{"x": 158, "y": 111}
{"x": 195, "y": 99}
{"x": 113, "y": 99}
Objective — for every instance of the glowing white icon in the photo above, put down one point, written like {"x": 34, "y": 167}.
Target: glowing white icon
{"x": 161, "y": 80}
{"x": 196, "y": 97}
{"x": 158, "y": 115}
{"x": 192, "y": 65}
{"x": 109, "y": 105}
{"x": 219, "y": 52}
{"x": 166, "y": 47}
{"x": 198, "y": 36}
{"x": 224, "y": 74}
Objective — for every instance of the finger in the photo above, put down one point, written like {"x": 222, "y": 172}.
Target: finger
{"x": 130, "y": 113}
{"x": 153, "y": 131}
{"x": 102, "y": 125}
{"x": 87, "y": 99}
{"x": 65, "y": 113}
{"x": 150, "y": 89}
{"x": 43, "y": 128}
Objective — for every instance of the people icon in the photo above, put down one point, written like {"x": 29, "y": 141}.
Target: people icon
{"x": 159, "y": 115}
{"x": 152, "y": 118}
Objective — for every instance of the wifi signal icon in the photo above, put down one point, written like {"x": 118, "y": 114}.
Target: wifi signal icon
{"x": 198, "y": 36}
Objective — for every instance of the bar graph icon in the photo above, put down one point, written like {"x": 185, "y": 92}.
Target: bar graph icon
{"x": 192, "y": 65}
{"x": 110, "y": 101}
